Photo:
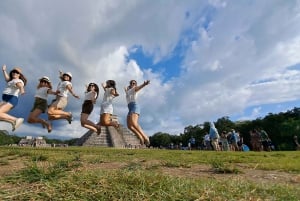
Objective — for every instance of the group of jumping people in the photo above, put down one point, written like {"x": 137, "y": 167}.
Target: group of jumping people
{"x": 15, "y": 86}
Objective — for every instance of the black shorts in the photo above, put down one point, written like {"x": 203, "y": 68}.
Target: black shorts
{"x": 87, "y": 107}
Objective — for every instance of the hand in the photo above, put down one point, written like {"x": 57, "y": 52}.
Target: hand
{"x": 4, "y": 67}
{"x": 147, "y": 82}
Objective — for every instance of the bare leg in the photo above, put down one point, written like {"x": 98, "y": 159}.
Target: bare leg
{"x": 4, "y": 108}
{"x": 34, "y": 118}
{"x": 56, "y": 113}
{"x": 88, "y": 124}
{"x": 105, "y": 120}
{"x": 132, "y": 128}
{"x": 135, "y": 126}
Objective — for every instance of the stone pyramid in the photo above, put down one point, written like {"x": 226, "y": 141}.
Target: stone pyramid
{"x": 110, "y": 137}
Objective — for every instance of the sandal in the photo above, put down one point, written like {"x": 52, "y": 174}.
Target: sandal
{"x": 70, "y": 118}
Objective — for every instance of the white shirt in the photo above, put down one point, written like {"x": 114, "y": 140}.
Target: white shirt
{"x": 108, "y": 97}
{"x": 11, "y": 87}
{"x": 131, "y": 95}
{"x": 42, "y": 93}
{"x": 62, "y": 88}
{"x": 89, "y": 95}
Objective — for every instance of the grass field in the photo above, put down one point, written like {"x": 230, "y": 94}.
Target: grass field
{"x": 89, "y": 173}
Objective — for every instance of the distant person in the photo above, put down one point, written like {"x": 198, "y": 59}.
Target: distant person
{"x": 224, "y": 141}
{"x": 40, "y": 103}
{"x": 91, "y": 95}
{"x": 16, "y": 82}
{"x": 106, "y": 112}
{"x": 207, "y": 142}
{"x": 296, "y": 143}
{"x": 214, "y": 136}
{"x": 56, "y": 109}
{"x": 234, "y": 140}
{"x": 264, "y": 137}
{"x": 193, "y": 142}
{"x": 134, "y": 110}
{"x": 255, "y": 140}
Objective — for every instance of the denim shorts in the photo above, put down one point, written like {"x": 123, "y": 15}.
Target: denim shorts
{"x": 13, "y": 100}
{"x": 133, "y": 108}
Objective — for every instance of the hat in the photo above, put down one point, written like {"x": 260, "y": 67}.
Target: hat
{"x": 68, "y": 73}
{"x": 18, "y": 69}
{"x": 47, "y": 79}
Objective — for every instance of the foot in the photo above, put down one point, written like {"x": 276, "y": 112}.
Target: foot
{"x": 49, "y": 127}
{"x": 70, "y": 118}
{"x": 17, "y": 123}
{"x": 147, "y": 142}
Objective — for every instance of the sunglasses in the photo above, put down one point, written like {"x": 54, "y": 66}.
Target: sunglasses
{"x": 15, "y": 71}
{"x": 91, "y": 85}
{"x": 44, "y": 81}
{"x": 132, "y": 83}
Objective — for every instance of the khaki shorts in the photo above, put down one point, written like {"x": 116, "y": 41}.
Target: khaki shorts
{"x": 60, "y": 103}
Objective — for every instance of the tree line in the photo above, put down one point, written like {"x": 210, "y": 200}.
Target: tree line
{"x": 281, "y": 128}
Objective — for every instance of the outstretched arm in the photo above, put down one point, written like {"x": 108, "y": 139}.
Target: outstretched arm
{"x": 146, "y": 82}
{"x": 71, "y": 91}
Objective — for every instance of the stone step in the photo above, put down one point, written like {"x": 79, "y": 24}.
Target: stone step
{"x": 110, "y": 136}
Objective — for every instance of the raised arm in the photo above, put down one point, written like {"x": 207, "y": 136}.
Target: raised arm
{"x": 146, "y": 82}
{"x": 6, "y": 76}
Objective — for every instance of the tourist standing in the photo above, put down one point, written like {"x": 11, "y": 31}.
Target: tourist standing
{"x": 214, "y": 136}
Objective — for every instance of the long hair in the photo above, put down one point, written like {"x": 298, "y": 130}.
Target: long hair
{"x": 88, "y": 89}
{"x": 111, "y": 84}
{"x": 22, "y": 77}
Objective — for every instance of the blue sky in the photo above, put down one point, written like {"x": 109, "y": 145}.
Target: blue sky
{"x": 205, "y": 59}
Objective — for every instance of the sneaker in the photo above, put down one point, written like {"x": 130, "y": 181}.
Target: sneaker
{"x": 17, "y": 123}
{"x": 70, "y": 118}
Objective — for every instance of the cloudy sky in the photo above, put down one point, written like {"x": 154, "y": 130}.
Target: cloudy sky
{"x": 205, "y": 59}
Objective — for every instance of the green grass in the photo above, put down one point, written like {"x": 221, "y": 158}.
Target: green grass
{"x": 90, "y": 173}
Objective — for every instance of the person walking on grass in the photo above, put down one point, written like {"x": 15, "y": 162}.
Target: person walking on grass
{"x": 91, "y": 95}
{"x": 214, "y": 136}
{"x": 56, "y": 109}
{"x": 110, "y": 92}
{"x": 16, "y": 82}
{"x": 40, "y": 103}
{"x": 134, "y": 111}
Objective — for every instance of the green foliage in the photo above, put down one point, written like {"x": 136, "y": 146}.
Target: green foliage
{"x": 280, "y": 127}
{"x": 6, "y": 139}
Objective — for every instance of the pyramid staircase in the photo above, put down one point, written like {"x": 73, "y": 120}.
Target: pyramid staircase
{"x": 110, "y": 137}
